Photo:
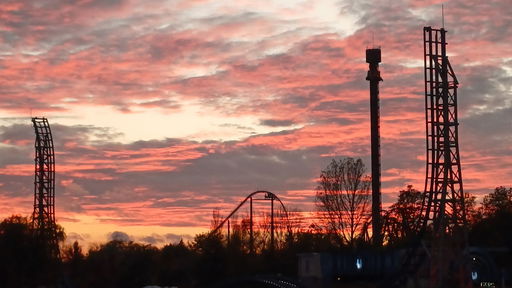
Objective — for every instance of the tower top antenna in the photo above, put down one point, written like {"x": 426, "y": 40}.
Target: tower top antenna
{"x": 442, "y": 15}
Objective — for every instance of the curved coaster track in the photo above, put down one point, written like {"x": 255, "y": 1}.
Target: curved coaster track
{"x": 439, "y": 254}
{"x": 275, "y": 221}
{"x": 43, "y": 217}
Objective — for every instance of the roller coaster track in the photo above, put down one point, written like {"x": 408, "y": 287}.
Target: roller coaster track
{"x": 267, "y": 196}
{"x": 43, "y": 217}
{"x": 443, "y": 212}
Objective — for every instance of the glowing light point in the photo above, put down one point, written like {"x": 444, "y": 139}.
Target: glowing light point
{"x": 359, "y": 263}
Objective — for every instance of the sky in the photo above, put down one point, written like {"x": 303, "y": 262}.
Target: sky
{"x": 164, "y": 110}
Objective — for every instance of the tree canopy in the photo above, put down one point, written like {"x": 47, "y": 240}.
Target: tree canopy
{"x": 499, "y": 201}
{"x": 343, "y": 199}
{"x": 401, "y": 220}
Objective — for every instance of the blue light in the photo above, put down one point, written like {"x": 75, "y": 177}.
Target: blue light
{"x": 474, "y": 275}
{"x": 359, "y": 263}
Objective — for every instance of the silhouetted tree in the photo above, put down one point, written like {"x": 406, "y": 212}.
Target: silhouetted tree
{"x": 121, "y": 264}
{"x": 211, "y": 253}
{"x": 499, "y": 201}
{"x": 401, "y": 220}
{"x": 343, "y": 198}
{"x": 17, "y": 248}
{"x": 74, "y": 261}
{"x": 176, "y": 266}
{"x": 282, "y": 231}
{"x": 25, "y": 260}
{"x": 494, "y": 227}
{"x": 73, "y": 253}
{"x": 472, "y": 213}
{"x": 216, "y": 219}
{"x": 312, "y": 240}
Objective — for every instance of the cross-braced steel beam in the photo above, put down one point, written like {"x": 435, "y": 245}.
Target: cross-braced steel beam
{"x": 443, "y": 185}
{"x": 43, "y": 217}
{"x": 444, "y": 212}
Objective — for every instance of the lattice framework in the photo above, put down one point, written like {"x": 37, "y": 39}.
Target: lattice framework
{"x": 444, "y": 196}
{"x": 43, "y": 217}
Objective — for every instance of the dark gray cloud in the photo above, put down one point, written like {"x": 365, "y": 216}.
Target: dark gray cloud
{"x": 489, "y": 131}
{"x": 119, "y": 236}
{"x": 484, "y": 88}
{"x": 220, "y": 176}
{"x": 152, "y": 239}
{"x": 72, "y": 237}
{"x": 339, "y": 107}
{"x": 175, "y": 238}
{"x": 277, "y": 122}
{"x": 17, "y": 186}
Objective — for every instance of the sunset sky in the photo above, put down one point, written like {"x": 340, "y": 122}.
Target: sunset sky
{"x": 162, "y": 111}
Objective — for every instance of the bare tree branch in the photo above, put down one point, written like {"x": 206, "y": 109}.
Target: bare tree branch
{"x": 343, "y": 198}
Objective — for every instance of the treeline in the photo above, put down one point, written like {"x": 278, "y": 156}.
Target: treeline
{"x": 489, "y": 223}
{"x": 205, "y": 261}
{"x": 213, "y": 257}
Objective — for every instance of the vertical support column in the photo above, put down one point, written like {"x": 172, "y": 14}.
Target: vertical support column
{"x": 251, "y": 231}
{"x": 444, "y": 139}
{"x": 373, "y": 57}
{"x": 272, "y": 223}
{"x": 229, "y": 233}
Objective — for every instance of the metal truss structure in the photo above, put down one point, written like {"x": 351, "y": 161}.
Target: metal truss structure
{"x": 439, "y": 253}
{"x": 43, "y": 217}
{"x": 443, "y": 203}
{"x": 443, "y": 184}
{"x": 267, "y": 196}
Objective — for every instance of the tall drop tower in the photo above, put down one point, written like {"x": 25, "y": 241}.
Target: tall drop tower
{"x": 43, "y": 217}
{"x": 373, "y": 57}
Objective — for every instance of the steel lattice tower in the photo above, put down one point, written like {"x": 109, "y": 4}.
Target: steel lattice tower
{"x": 443, "y": 184}
{"x": 43, "y": 217}
{"x": 444, "y": 211}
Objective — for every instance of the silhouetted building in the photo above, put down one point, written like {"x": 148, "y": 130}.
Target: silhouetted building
{"x": 325, "y": 269}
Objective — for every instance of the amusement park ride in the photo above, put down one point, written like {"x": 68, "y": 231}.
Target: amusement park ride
{"x": 43, "y": 217}
{"x": 281, "y": 214}
{"x": 440, "y": 252}
{"x": 443, "y": 201}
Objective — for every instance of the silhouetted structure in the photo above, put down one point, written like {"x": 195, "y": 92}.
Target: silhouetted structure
{"x": 373, "y": 57}
{"x": 268, "y": 196}
{"x": 43, "y": 217}
{"x": 444, "y": 198}
{"x": 443, "y": 185}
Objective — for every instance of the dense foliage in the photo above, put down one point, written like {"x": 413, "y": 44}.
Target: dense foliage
{"x": 212, "y": 258}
